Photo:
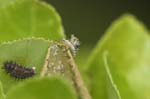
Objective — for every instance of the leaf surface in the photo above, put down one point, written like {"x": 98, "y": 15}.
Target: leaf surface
{"x": 28, "y": 53}
{"x": 29, "y": 18}
{"x": 128, "y": 44}
{"x": 44, "y": 88}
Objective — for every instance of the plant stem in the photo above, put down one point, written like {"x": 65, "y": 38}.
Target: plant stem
{"x": 78, "y": 82}
{"x": 67, "y": 59}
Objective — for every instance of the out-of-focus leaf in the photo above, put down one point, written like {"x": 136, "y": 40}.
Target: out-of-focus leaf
{"x": 42, "y": 89}
{"x": 113, "y": 92}
{"x": 1, "y": 91}
{"x": 27, "y": 52}
{"x": 128, "y": 44}
{"x": 28, "y": 18}
{"x": 3, "y": 3}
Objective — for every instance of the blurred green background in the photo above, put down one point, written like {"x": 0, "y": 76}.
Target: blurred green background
{"x": 89, "y": 19}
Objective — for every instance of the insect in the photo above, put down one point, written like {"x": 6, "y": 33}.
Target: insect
{"x": 17, "y": 71}
{"x": 73, "y": 44}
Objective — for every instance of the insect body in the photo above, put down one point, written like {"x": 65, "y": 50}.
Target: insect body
{"x": 18, "y": 71}
{"x": 73, "y": 44}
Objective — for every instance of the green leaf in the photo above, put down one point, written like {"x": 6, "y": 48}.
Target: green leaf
{"x": 3, "y": 3}
{"x": 27, "y": 52}
{"x": 113, "y": 92}
{"x": 28, "y": 18}
{"x": 1, "y": 91}
{"x": 42, "y": 89}
{"x": 128, "y": 44}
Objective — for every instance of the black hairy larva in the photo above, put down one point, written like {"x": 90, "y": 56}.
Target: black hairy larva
{"x": 17, "y": 71}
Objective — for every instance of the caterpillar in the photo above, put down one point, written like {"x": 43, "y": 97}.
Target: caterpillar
{"x": 18, "y": 71}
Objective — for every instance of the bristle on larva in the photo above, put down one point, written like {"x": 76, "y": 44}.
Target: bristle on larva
{"x": 17, "y": 71}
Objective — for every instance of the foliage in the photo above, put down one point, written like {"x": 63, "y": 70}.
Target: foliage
{"x": 127, "y": 44}
{"x": 118, "y": 68}
{"x": 49, "y": 88}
